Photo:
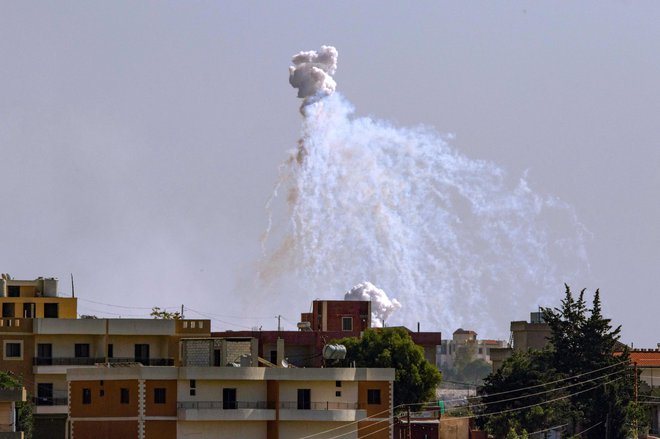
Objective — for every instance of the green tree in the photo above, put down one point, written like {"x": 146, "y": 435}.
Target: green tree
{"x": 514, "y": 399}
{"x": 415, "y": 378}
{"x": 584, "y": 341}
{"x": 583, "y": 357}
{"x": 24, "y": 409}
{"x": 158, "y": 313}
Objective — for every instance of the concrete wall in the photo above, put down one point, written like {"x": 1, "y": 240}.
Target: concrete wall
{"x": 211, "y": 390}
{"x": 292, "y": 429}
{"x": 228, "y": 429}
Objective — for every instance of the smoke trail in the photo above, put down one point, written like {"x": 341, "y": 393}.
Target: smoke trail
{"x": 452, "y": 238}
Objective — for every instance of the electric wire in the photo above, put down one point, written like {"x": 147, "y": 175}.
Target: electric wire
{"x": 375, "y": 415}
{"x": 584, "y": 431}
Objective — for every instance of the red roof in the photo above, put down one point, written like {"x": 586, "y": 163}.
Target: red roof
{"x": 646, "y": 358}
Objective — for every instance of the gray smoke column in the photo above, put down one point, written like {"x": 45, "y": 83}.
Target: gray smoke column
{"x": 381, "y": 305}
{"x": 311, "y": 73}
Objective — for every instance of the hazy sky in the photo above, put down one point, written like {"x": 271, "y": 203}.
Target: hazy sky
{"x": 140, "y": 142}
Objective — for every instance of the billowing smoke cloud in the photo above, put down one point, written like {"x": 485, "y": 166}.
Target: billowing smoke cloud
{"x": 311, "y": 73}
{"x": 453, "y": 238}
{"x": 381, "y": 305}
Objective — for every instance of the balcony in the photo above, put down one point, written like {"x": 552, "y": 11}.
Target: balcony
{"x": 48, "y": 405}
{"x": 15, "y": 394}
{"x": 90, "y": 361}
{"x": 226, "y": 411}
{"x": 321, "y": 411}
{"x": 11, "y": 435}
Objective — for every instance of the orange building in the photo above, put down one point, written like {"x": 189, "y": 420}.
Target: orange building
{"x": 248, "y": 402}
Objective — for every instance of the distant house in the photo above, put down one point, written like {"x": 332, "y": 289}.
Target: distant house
{"x": 465, "y": 339}
{"x": 648, "y": 364}
{"x": 534, "y": 334}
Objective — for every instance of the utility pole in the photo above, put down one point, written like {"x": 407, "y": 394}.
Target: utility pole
{"x": 278, "y": 317}
{"x": 182, "y": 312}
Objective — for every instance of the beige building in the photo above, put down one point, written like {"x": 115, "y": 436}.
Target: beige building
{"x": 245, "y": 402}
{"x": 534, "y": 334}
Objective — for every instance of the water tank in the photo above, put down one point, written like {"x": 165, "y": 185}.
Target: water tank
{"x": 334, "y": 352}
{"x": 50, "y": 287}
{"x": 304, "y": 326}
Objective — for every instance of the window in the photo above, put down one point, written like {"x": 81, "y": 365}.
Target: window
{"x": 13, "y": 291}
{"x": 216, "y": 357}
{"x": 193, "y": 387}
{"x": 123, "y": 396}
{"x": 82, "y": 350}
{"x": 443, "y": 349}
{"x": 373, "y": 396}
{"x": 142, "y": 354}
{"x": 304, "y": 399}
{"x": 160, "y": 395}
{"x": 111, "y": 350}
{"x": 337, "y": 383}
{"x": 8, "y": 310}
{"x": 229, "y": 399}
{"x": 347, "y": 323}
{"x": 338, "y": 393}
{"x": 13, "y": 349}
{"x": 44, "y": 393}
{"x": 44, "y": 354}
{"x": 273, "y": 357}
{"x": 29, "y": 310}
{"x": 51, "y": 310}
{"x": 86, "y": 396}
{"x": 481, "y": 351}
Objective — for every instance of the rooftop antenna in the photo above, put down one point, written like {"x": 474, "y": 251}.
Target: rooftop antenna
{"x": 73, "y": 289}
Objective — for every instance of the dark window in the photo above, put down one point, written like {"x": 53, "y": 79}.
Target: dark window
{"x": 304, "y": 399}
{"x": 216, "y": 357}
{"x": 13, "y": 350}
{"x": 337, "y": 383}
{"x": 229, "y": 399}
{"x": 338, "y": 393}
{"x": 13, "y": 291}
{"x": 29, "y": 310}
{"x": 373, "y": 396}
{"x": 142, "y": 354}
{"x": 44, "y": 393}
{"x": 8, "y": 310}
{"x": 123, "y": 395}
{"x": 101, "y": 392}
{"x": 111, "y": 350}
{"x": 443, "y": 349}
{"x": 86, "y": 396}
{"x": 82, "y": 350}
{"x": 160, "y": 395}
{"x": 273, "y": 357}
{"x": 44, "y": 354}
{"x": 193, "y": 387}
{"x": 51, "y": 310}
{"x": 347, "y": 323}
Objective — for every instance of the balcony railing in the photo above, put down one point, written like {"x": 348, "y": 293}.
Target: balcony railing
{"x": 294, "y": 405}
{"x": 49, "y": 400}
{"x": 226, "y": 405}
{"x": 318, "y": 405}
{"x": 90, "y": 361}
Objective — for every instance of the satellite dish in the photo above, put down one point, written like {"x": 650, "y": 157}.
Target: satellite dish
{"x": 285, "y": 363}
{"x": 334, "y": 352}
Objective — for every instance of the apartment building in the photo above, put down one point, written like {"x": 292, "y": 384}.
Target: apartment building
{"x": 40, "y": 346}
{"x": 534, "y": 334}
{"x": 467, "y": 340}
{"x": 247, "y": 402}
{"x": 328, "y": 320}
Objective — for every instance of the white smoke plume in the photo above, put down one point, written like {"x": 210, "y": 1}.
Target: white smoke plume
{"x": 311, "y": 73}
{"x": 458, "y": 242}
{"x": 381, "y": 305}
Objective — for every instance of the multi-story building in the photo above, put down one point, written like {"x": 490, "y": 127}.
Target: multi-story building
{"x": 328, "y": 320}
{"x": 534, "y": 334}
{"x": 463, "y": 339}
{"x": 206, "y": 401}
{"x": 46, "y": 339}
{"x": 647, "y": 362}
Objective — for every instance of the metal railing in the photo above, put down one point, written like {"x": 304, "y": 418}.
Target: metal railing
{"x": 226, "y": 405}
{"x": 90, "y": 361}
{"x": 50, "y": 400}
{"x": 318, "y": 405}
{"x": 291, "y": 405}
